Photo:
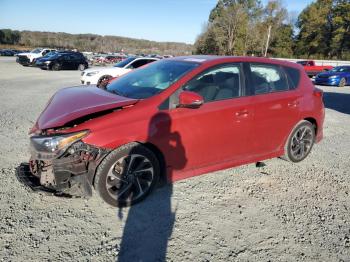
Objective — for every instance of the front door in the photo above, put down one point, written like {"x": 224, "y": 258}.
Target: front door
{"x": 219, "y": 130}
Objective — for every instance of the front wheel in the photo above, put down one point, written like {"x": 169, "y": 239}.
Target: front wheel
{"x": 102, "y": 82}
{"x": 55, "y": 67}
{"x": 300, "y": 142}
{"x": 127, "y": 175}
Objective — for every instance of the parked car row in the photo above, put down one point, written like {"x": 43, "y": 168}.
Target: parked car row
{"x": 51, "y": 59}
{"x": 327, "y": 75}
{"x": 9, "y": 52}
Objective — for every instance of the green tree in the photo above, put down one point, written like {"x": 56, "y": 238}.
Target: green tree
{"x": 324, "y": 30}
{"x": 242, "y": 27}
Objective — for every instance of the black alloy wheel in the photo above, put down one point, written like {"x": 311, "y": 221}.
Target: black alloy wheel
{"x": 55, "y": 67}
{"x": 127, "y": 175}
{"x": 81, "y": 67}
{"x": 300, "y": 142}
{"x": 102, "y": 82}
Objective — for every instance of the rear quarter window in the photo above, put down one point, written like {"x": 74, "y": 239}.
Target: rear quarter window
{"x": 293, "y": 76}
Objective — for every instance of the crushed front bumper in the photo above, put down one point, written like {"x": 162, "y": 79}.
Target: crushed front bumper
{"x": 31, "y": 182}
{"x": 72, "y": 174}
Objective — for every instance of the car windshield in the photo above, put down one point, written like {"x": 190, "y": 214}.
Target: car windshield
{"x": 50, "y": 54}
{"x": 151, "y": 80}
{"x": 341, "y": 69}
{"x": 124, "y": 62}
{"x": 36, "y": 51}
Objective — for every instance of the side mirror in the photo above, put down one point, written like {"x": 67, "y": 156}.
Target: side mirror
{"x": 188, "y": 99}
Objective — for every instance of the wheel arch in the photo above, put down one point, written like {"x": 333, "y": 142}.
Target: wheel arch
{"x": 155, "y": 150}
{"x": 160, "y": 156}
{"x": 313, "y": 121}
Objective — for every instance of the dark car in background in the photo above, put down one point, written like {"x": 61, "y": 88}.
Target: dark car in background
{"x": 7, "y": 52}
{"x": 63, "y": 60}
{"x": 338, "y": 76}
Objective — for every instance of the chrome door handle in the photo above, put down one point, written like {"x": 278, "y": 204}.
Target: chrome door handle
{"x": 242, "y": 113}
{"x": 293, "y": 104}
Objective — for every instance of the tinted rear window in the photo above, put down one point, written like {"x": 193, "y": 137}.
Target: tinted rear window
{"x": 293, "y": 76}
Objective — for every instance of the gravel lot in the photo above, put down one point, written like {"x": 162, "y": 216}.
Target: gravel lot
{"x": 280, "y": 212}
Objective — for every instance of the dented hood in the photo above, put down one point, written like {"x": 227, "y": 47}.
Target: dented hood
{"x": 72, "y": 103}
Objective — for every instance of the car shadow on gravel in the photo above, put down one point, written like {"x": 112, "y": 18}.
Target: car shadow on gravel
{"x": 337, "y": 101}
{"x": 149, "y": 224}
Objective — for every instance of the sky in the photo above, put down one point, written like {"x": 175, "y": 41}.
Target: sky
{"x": 159, "y": 20}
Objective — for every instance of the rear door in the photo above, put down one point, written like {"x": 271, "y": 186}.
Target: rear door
{"x": 65, "y": 61}
{"x": 276, "y": 106}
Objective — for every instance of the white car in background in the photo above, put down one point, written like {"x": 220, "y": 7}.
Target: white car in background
{"x": 29, "y": 58}
{"x": 97, "y": 75}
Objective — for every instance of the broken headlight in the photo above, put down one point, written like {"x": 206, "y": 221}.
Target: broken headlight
{"x": 49, "y": 147}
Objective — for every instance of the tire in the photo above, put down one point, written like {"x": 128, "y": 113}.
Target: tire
{"x": 127, "y": 175}
{"x": 299, "y": 143}
{"x": 102, "y": 82}
{"x": 55, "y": 67}
{"x": 342, "y": 82}
{"x": 81, "y": 67}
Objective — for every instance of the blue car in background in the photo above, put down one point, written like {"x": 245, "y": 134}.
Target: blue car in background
{"x": 338, "y": 76}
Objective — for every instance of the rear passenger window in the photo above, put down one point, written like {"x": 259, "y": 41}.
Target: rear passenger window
{"x": 138, "y": 63}
{"x": 218, "y": 83}
{"x": 268, "y": 79}
{"x": 293, "y": 76}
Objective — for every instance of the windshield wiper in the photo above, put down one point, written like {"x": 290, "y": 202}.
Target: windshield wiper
{"x": 117, "y": 93}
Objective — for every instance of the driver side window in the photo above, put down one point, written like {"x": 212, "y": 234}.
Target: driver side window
{"x": 217, "y": 83}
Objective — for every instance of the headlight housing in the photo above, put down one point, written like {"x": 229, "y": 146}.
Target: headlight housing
{"x": 47, "y": 62}
{"x": 49, "y": 147}
{"x": 333, "y": 77}
{"x": 92, "y": 73}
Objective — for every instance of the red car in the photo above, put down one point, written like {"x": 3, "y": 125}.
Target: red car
{"x": 312, "y": 69}
{"x": 173, "y": 119}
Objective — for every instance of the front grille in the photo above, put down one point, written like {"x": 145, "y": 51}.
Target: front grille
{"x": 23, "y": 59}
{"x": 82, "y": 73}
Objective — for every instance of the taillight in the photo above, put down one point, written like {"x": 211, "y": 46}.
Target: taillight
{"x": 318, "y": 92}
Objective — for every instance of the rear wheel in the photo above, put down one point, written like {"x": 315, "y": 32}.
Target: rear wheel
{"x": 127, "y": 175}
{"x": 81, "y": 67}
{"x": 102, "y": 82}
{"x": 342, "y": 82}
{"x": 300, "y": 142}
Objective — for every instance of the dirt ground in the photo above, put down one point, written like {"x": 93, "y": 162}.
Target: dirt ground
{"x": 280, "y": 212}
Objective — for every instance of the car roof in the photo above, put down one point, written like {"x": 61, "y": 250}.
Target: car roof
{"x": 147, "y": 58}
{"x": 204, "y": 59}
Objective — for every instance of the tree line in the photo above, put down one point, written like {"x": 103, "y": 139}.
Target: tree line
{"x": 91, "y": 42}
{"x": 234, "y": 27}
{"x": 247, "y": 27}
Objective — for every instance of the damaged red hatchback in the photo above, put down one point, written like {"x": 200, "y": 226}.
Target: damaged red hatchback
{"x": 173, "y": 119}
